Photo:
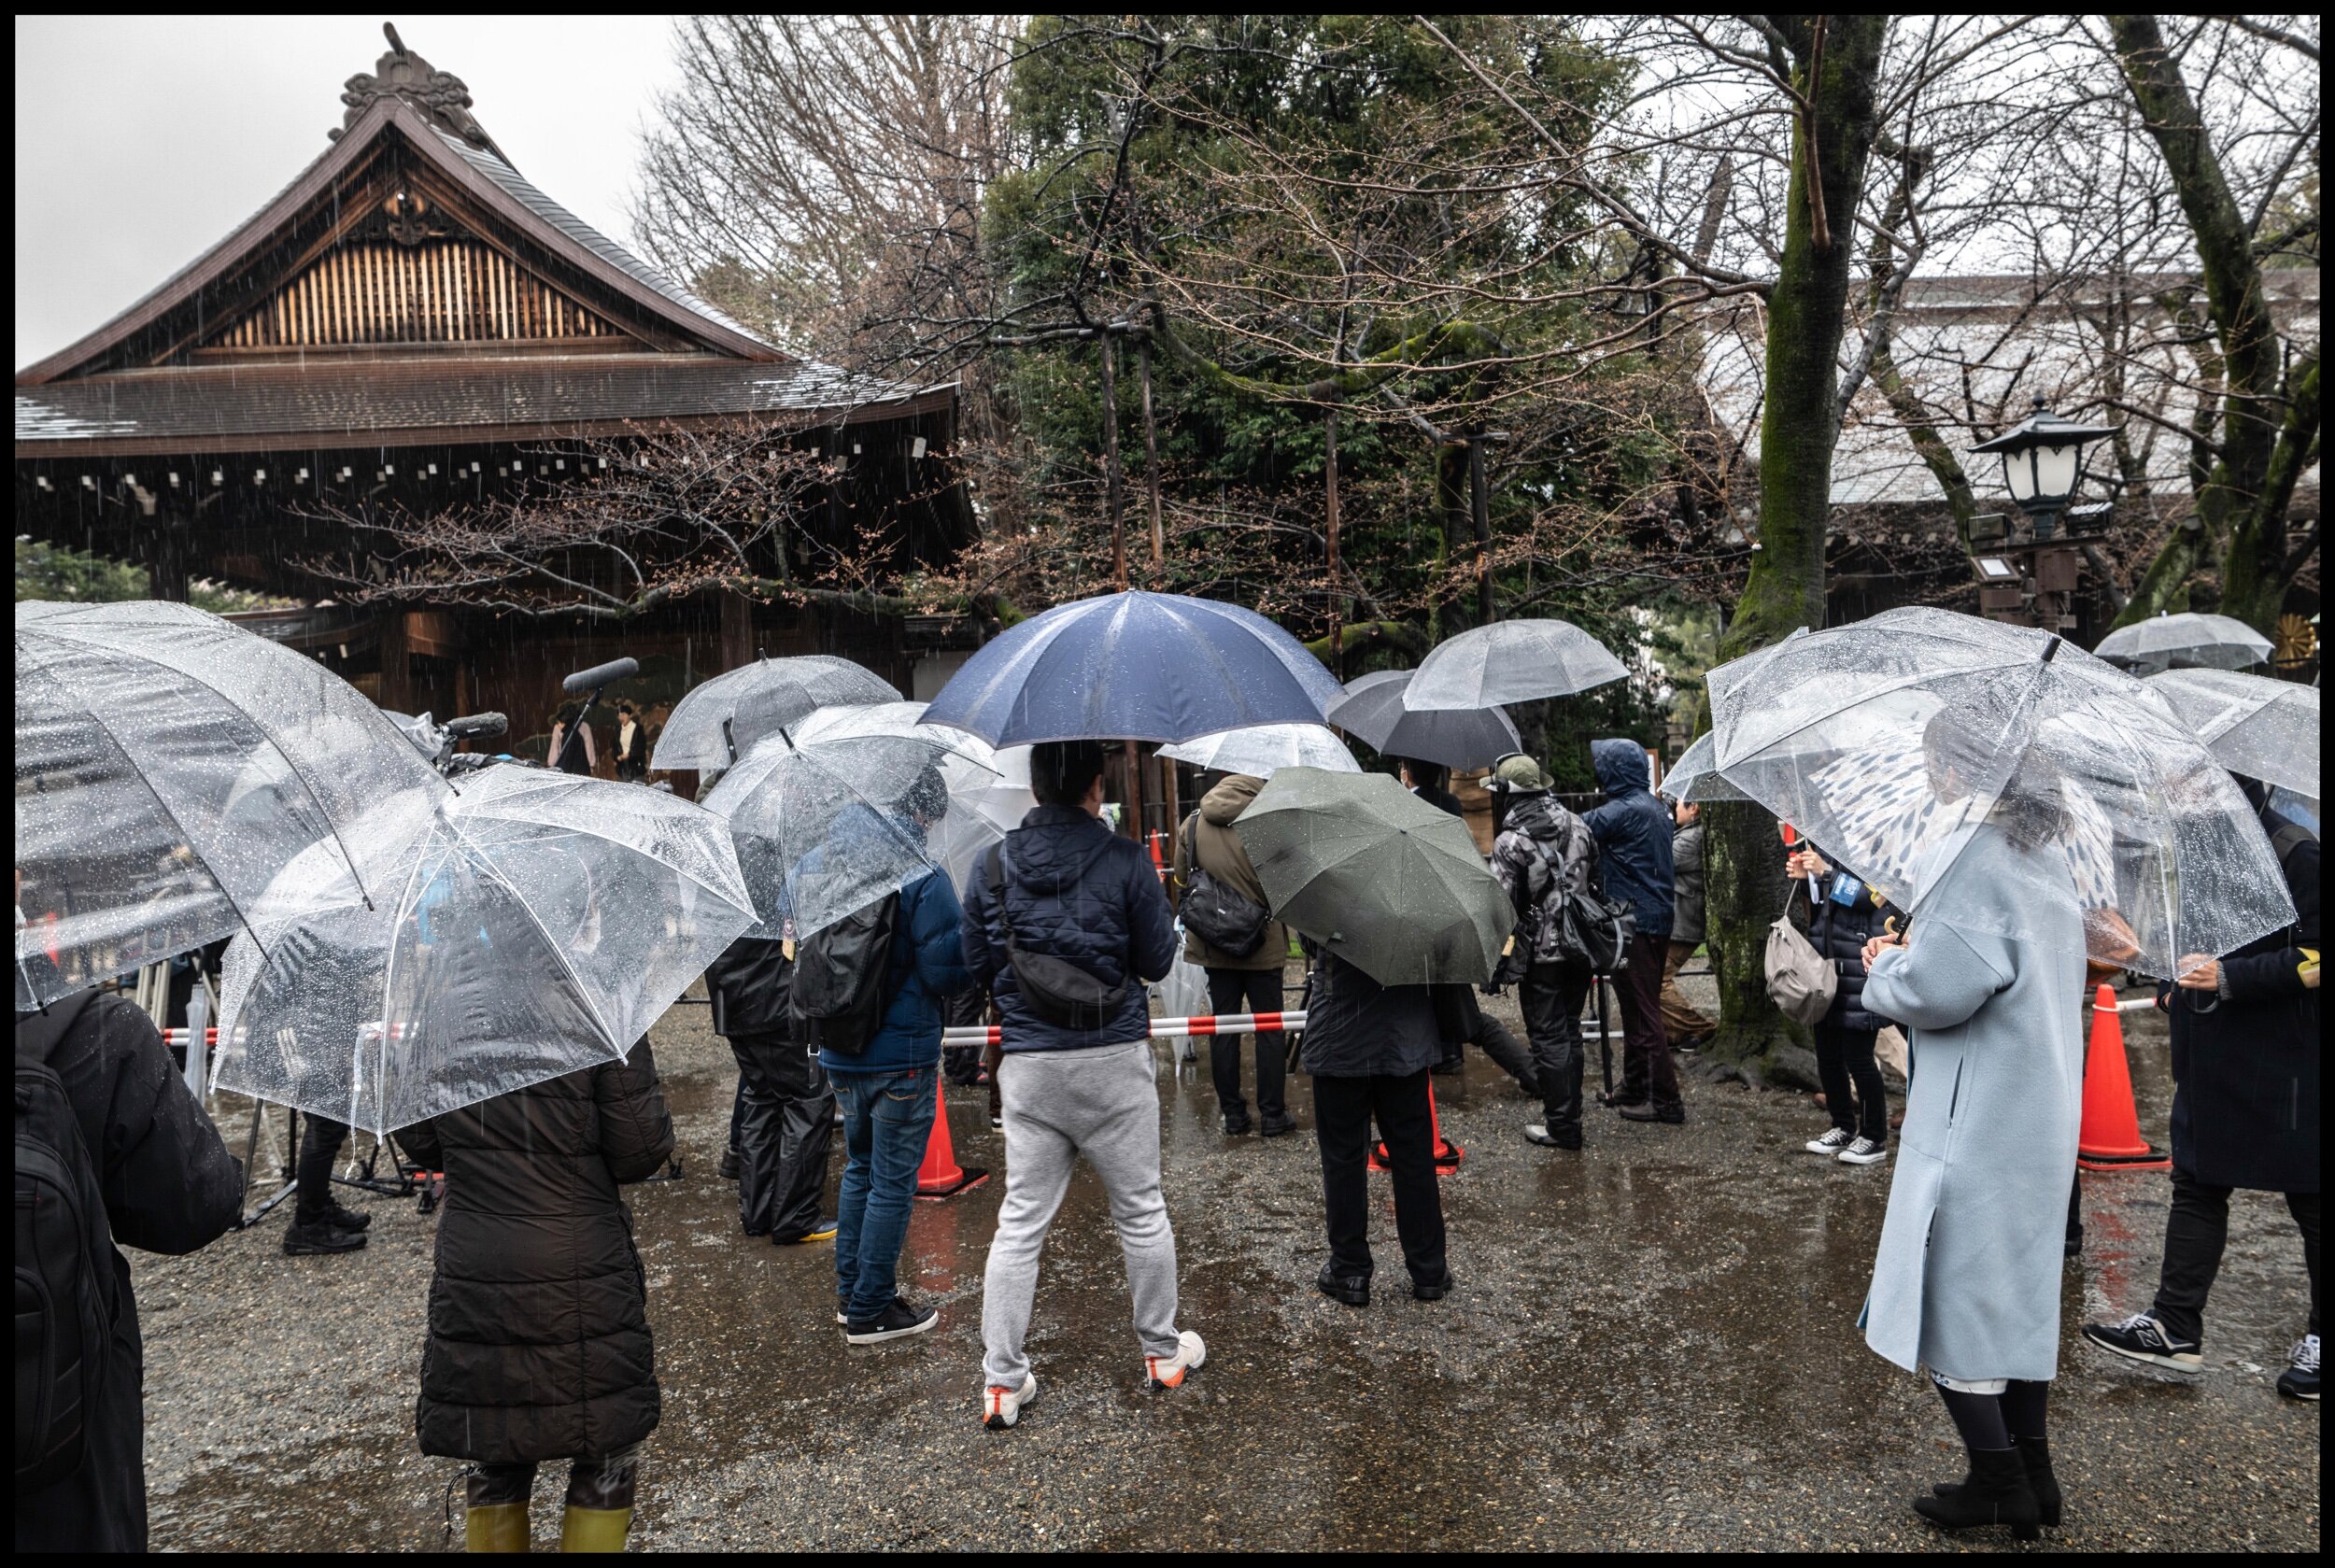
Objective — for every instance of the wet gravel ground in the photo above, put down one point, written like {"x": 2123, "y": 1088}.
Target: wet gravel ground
{"x": 1651, "y": 1346}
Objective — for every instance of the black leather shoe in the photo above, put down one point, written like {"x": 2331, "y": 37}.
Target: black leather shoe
{"x": 728, "y": 1169}
{"x": 1435, "y": 1292}
{"x": 1274, "y": 1126}
{"x": 1352, "y": 1289}
{"x": 1673, "y": 1116}
{"x": 1237, "y": 1126}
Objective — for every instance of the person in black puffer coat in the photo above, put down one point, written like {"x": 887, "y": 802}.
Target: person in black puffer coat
{"x": 539, "y": 1343}
{"x": 168, "y": 1186}
{"x": 1848, "y": 913}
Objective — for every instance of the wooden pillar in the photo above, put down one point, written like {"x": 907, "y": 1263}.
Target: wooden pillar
{"x": 397, "y": 669}
{"x": 737, "y": 630}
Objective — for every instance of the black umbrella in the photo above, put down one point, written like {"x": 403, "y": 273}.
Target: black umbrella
{"x": 1453, "y": 737}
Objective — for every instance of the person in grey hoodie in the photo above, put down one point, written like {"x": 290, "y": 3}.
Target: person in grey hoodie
{"x": 1237, "y": 983}
{"x": 1064, "y": 887}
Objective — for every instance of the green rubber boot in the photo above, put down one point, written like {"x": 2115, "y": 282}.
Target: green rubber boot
{"x": 499, "y": 1527}
{"x": 594, "y": 1530}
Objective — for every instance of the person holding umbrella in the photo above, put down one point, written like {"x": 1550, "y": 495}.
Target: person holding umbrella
{"x": 2245, "y": 1113}
{"x": 1064, "y": 923}
{"x": 1249, "y": 981}
{"x": 1430, "y": 781}
{"x": 1634, "y": 838}
{"x": 1966, "y": 1282}
{"x": 1543, "y": 854}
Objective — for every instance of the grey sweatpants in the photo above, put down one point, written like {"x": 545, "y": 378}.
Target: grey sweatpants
{"x": 1100, "y": 1102}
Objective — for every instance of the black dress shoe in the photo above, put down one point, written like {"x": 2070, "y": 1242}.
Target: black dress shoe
{"x": 728, "y": 1169}
{"x": 1274, "y": 1126}
{"x": 1352, "y": 1289}
{"x": 1435, "y": 1292}
{"x": 1237, "y": 1126}
{"x": 1672, "y": 1115}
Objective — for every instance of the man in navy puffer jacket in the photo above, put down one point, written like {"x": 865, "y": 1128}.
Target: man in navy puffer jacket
{"x": 1074, "y": 890}
{"x": 890, "y": 1091}
{"x": 1632, "y": 834}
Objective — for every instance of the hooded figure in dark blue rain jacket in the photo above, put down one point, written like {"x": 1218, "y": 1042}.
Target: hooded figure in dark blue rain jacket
{"x": 1633, "y": 833}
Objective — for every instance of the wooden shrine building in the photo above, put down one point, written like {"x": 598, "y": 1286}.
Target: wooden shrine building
{"x": 412, "y": 322}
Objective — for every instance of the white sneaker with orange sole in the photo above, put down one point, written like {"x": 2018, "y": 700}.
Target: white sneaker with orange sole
{"x": 1001, "y": 1407}
{"x": 1167, "y": 1371}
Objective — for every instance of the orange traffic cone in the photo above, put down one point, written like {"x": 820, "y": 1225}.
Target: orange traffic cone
{"x": 940, "y": 1176}
{"x": 2111, "y": 1138}
{"x": 1447, "y": 1154}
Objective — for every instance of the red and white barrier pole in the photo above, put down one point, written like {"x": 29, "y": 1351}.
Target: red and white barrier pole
{"x": 1166, "y": 1029}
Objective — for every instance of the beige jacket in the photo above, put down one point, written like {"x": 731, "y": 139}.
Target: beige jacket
{"x": 1211, "y": 831}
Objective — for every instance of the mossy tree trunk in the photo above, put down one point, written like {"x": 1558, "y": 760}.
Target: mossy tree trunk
{"x": 1835, "y": 68}
{"x": 2270, "y": 410}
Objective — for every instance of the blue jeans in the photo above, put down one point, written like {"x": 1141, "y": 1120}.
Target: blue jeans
{"x": 887, "y": 1119}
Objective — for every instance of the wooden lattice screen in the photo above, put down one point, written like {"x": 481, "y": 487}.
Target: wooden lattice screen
{"x": 449, "y": 290}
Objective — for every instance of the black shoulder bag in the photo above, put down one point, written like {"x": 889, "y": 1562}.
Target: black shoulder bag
{"x": 1218, "y": 914}
{"x": 1061, "y": 993}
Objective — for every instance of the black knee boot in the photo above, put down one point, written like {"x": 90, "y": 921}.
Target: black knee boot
{"x": 1996, "y": 1491}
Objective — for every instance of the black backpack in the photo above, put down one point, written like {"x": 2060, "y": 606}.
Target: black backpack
{"x": 838, "y": 999}
{"x": 64, "y": 1273}
{"x": 1219, "y": 916}
{"x": 1059, "y": 990}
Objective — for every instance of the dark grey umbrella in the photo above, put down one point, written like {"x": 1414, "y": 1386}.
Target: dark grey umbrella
{"x": 1387, "y": 882}
{"x": 1455, "y": 737}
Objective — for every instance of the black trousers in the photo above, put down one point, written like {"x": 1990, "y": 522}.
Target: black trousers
{"x": 320, "y": 1149}
{"x": 1247, "y": 991}
{"x": 1551, "y": 998}
{"x": 1647, "y": 1073}
{"x": 786, "y": 1133}
{"x": 2196, "y": 1232}
{"x": 598, "y": 1482}
{"x": 1343, "y": 1109}
{"x": 1843, "y": 1057}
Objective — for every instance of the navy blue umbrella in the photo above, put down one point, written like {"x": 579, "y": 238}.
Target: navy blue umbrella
{"x": 1135, "y": 667}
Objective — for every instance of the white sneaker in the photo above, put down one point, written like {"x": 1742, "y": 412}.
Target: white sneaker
{"x": 1833, "y": 1142}
{"x": 1864, "y": 1151}
{"x": 1167, "y": 1371}
{"x": 1001, "y": 1407}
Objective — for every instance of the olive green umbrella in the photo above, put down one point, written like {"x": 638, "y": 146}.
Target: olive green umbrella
{"x": 1387, "y": 882}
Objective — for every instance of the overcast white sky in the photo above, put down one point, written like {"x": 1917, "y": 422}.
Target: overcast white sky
{"x": 141, "y": 141}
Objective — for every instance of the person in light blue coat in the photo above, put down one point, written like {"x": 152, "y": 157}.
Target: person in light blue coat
{"x": 1966, "y": 1282}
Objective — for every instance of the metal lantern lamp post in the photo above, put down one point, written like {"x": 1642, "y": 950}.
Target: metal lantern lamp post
{"x": 2034, "y": 582}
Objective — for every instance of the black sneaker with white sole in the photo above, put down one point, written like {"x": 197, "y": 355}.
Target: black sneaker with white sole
{"x": 1864, "y": 1151}
{"x": 896, "y": 1322}
{"x": 1833, "y": 1142}
{"x": 2300, "y": 1381}
{"x": 2143, "y": 1338}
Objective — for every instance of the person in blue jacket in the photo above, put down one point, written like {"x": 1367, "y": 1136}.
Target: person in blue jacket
{"x": 889, "y": 1091}
{"x": 1632, "y": 834}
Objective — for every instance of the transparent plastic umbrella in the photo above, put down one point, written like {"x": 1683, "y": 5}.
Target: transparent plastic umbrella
{"x": 1693, "y": 778}
{"x": 721, "y": 719}
{"x": 169, "y": 764}
{"x": 2104, "y": 800}
{"x": 1261, "y": 750}
{"x": 1511, "y": 661}
{"x": 537, "y": 924}
{"x": 826, "y": 827}
{"x": 984, "y": 804}
{"x": 2188, "y": 640}
{"x": 2262, "y": 728}
{"x": 1389, "y": 882}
